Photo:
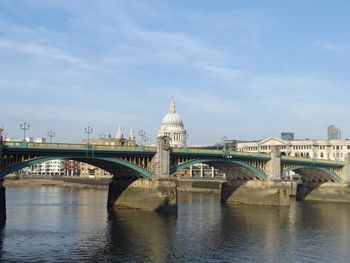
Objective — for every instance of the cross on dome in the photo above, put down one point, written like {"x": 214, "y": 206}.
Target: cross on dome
{"x": 172, "y": 105}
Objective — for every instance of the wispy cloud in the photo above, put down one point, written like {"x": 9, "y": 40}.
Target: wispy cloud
{"x": 38, "y": 50}
{"x": 332, "y": 46}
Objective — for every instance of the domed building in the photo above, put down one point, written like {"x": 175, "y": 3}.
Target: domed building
{"x": 173, "y": 127}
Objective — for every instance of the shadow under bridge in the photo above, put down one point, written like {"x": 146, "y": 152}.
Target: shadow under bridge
{"x": 234, "y": 169}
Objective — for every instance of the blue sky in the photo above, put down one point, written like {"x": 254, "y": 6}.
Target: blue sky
{"x": 240, "y": 69}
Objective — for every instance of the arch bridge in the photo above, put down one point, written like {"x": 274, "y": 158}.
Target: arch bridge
{"x": 143, "y": 177}
{"x": 129, "y": 162}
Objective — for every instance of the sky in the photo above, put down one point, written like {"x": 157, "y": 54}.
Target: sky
{"x": 241, "y": 69}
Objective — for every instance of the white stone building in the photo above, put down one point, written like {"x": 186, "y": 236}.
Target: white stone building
{"x": 319, "y": 149}
{"x": 172, "y": 126}
{"x": 54, "y": 167}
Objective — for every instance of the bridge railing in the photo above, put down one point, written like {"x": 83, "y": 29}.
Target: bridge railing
{"x": 218, "y": 152}
{"x": 72, "y": 146}
{"x": 291, "y": 158}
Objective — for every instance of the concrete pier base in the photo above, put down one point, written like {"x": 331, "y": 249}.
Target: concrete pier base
{"x": 329, "y": 192}
{"x": 257, "y": 193}
{"x": 154, "y": 195}
{"x": 199, "y": 185}
{"x": 2, "y": 204}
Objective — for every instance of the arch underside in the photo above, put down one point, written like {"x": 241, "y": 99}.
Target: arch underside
{"x": 235, "y": 170}
{"x": 314, "y": 174}
{"x": 119, "y": 168}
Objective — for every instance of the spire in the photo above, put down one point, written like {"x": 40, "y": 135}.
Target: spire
{"x": 119, "y": 134}
{"x": 172, "y": 105}
{"x": 132, "y": 135}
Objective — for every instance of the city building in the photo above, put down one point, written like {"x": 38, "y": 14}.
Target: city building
{"x": 72, "y": 168}
{"x": 288, "y": 136}
{"x": 118, "y": 140}
{"x": 49, "y": 168}
{"x": 334, "y": 133}
{"x": 173, "y": 127}
{"x": 320, "y": 149}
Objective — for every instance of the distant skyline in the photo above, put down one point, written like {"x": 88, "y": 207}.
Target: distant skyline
{"x": 244, "y": 70}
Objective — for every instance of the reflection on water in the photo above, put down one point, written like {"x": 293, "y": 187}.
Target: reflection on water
{"x": 69, "y": 225}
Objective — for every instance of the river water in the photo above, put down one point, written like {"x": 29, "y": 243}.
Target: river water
{"x": 52, "y": 224}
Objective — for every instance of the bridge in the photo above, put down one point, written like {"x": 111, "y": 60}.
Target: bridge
{"x": 150, "y": 170}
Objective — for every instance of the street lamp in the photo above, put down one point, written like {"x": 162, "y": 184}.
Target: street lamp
{"x": 143, "y": 137}
{"x": 185, "y": 141}
{"x": 88, "y": 131}
{"x": 24, "y": 126}
{"x": 51, "y": 134}
{"x": 224, "y": 139}
{"x": 102, "y": 136}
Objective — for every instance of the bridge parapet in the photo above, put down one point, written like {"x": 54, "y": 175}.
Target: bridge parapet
{"x": 76, "y": 146}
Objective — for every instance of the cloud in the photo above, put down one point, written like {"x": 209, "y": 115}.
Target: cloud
{"x": 40, "y": 51}
{"x": 332, "y": 46}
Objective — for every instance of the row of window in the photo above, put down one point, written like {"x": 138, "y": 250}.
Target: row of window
{"x": 296, "y": 147}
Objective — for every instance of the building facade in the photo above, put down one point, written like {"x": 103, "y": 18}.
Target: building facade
{"x": 333, "y": 133}
{"x": 319, "y": 149}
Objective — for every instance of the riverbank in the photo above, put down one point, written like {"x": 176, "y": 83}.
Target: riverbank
{"x": 64, "y": 182}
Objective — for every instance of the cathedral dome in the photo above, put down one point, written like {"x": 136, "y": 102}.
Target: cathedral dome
{"x": 173, "y": 127}
{"x": 172, "y": 118}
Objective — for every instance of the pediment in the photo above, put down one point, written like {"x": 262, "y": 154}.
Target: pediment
{"x": 272, "y": 141}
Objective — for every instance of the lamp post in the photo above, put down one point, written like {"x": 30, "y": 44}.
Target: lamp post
{"x": 88, "y": 131}
{"x": 145, "y": 139}
{"x": 24, "y": 126}
{"x": 51, "y": 134}
{"x": 185, "y": 141}
{"x": 224, "y": 139}
{"x": 142, "y": 135}
{"x": 102, "y": 136}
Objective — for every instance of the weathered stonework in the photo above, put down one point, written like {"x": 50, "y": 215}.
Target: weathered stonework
{"x": 274, "y": 165}
{"x": 257, "y": 193}
{"x": 154, "y": 195}
{"x": 199, "y": 185}
{"x": 330, "y": 192}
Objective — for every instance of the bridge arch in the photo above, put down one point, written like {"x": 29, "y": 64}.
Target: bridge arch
{"x": 233, "y": 168}
{"x": 118, "y": 167}
{"x": 314, "y": 173}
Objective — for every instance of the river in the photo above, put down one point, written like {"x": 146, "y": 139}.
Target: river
{"x": 53, "y": 224}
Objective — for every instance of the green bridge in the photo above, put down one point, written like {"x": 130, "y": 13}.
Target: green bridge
{"x": 136, "y": 162}
{"x": 150, "y": 170}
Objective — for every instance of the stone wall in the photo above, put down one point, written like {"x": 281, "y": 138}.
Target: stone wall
{"x": 153, "y": 195}
{"x": 330, "y": 192}
{"x": 196, "y": 185}
{"x": 257, "y": 192}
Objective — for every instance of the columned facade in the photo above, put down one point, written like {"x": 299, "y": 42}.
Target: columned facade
{"x": 319, "y": 149}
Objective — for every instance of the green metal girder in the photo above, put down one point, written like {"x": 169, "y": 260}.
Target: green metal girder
{"x": 333, "y": 175}
{"x": 19, "y": 166}
{"x": 251, "y": 168}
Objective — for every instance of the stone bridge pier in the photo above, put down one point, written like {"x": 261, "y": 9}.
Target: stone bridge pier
{"x": 259, "y": 192}
{"x": 156, "y": 194}
{"x": 338, "y": 191}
